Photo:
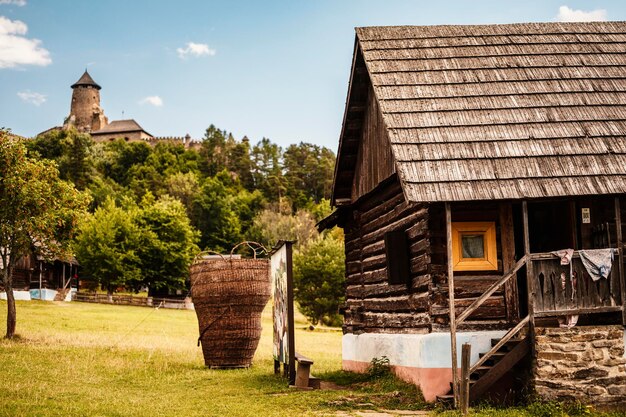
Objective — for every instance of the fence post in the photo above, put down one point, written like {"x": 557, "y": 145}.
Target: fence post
{"x": 465, "y": 377}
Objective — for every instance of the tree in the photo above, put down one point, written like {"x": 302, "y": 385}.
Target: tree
{"x": 309, "y": 171}
{"x": 107, "y": 246}
{"x": 37, "y": 210}
{"x": 270, "y": 226}
{"x": 319, "y": 270}
{"x": 168, "y": 243}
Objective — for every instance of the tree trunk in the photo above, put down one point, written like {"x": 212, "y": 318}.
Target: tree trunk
{"x": 11, "y": 313}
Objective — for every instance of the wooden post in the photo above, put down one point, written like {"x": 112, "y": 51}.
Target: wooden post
{"x": 455, "y": 376}
{"x": 507, "y": 240}
{"x": 290, "y": 314}
{"x": 466, "y": 353}
{"x": 620, "y": 248}
{"x": 529, "y": 280}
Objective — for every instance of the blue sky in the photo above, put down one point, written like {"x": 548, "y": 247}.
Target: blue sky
{"x": 256, "y": 68}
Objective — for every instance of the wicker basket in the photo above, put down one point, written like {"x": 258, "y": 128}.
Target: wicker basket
{"x": 229, "y": 295}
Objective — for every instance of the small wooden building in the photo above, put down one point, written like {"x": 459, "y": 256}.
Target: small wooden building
{"x": 36, "y": 278}
{"x": 468, "y": 155}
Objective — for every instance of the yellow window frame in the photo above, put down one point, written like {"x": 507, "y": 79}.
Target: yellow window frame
{"x": 488, "y": 230}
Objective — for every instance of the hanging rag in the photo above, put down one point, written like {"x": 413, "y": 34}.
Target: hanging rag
{"x": 597, "y": 262}
{"x": 565, "y": 255}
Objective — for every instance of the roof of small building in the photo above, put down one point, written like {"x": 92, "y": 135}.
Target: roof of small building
{"x": 86, "y": 79}
{"x": 120, "y": 126}
{"x": 497, "y": 111}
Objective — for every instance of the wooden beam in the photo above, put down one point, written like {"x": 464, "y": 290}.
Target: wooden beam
{"x": 466, "y": 353}
{"x": 620, "y": 248}
{"x": 455, "y": 376}
{"x": 507, "y": 241}
{"x": 530, "y": 279}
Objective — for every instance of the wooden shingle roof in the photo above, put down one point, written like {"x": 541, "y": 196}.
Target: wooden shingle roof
{"x": 501, "y": 111}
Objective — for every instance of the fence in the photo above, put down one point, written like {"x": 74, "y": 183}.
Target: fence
{"x": 132, "y": 300}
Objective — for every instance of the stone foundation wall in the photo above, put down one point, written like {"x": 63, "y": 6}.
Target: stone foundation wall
{"x": 584, "y": 364}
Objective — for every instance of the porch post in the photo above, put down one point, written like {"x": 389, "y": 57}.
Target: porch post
{"x": 530, "y": 279}
{"x": 452, "y": 311}
{"x": 620, "y": 248}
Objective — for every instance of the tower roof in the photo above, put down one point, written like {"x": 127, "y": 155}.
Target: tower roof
{"x": 86, "y": 80}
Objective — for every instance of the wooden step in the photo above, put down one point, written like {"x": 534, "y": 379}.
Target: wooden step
{"x": 493, "y": 359}
{"x": 446, "y": 400}
{"x": 503, "y": 363}
{"x": 480, "y": 372}
{"x": 508, "y": 345}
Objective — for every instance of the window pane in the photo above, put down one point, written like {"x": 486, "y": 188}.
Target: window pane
{"x": 473, "y": 246}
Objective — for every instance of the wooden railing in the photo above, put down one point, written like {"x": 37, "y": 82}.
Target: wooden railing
{"x": 569, "y": 289}
{"x": 132, "y": 300}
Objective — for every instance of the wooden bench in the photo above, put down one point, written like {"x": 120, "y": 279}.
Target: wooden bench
{"x": 304, "y": 379}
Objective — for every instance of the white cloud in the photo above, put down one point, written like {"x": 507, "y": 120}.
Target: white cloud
{"x": 570, "y": 15}
{"x": 31, "y": 97}
{"x": 14, "y": 2}
{"x": 195, "y": 49}
{"x": 155, "y": 101}
{"x": 15, "y": 49}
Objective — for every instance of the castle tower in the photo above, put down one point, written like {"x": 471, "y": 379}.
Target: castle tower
{"x": 85, "y": 112}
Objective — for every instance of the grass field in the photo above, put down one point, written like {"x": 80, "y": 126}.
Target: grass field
{"x": 79, "y": 359}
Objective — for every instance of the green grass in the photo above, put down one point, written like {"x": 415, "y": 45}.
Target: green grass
{"x": 79, "y": 359}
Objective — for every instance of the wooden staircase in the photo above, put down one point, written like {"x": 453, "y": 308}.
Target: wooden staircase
{"x": 491, "y": 367}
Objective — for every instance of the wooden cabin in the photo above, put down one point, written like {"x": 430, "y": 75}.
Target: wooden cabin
{"x": 468, "y": 155}
{"x": 36, "y": 278}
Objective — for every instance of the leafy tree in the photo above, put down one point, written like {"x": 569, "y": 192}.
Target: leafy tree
{"x": 107, "y": 246}
{"x": 215, "y": 215}
{"x": 183, "y": 186}
{"x": 240, "y": 164}
{"x": 214, "y": 151}
{"x": 72, "y": 152}
{"x": 271, "y": 225}
{"x": 267, "y": 172}
{"x": 37, "y": 209}
{"x": 168, "y": 243}
{"x": 319, "y": 278}
{"x": 309, "y": 173}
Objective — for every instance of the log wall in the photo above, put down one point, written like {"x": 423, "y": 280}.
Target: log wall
{"x": 373, "y": 305}
{"x": 491, "y": 315}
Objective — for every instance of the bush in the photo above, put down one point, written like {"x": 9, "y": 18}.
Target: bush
{"x": 319, "y": 270}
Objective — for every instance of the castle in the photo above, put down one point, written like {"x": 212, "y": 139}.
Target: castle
{"x": 87, "y": 116}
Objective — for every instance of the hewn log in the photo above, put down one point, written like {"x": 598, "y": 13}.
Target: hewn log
{"x": 388, "y": 320}
{"x": 374, "y": 290}
{"x": 402, "y": 303}
{"x": 508, "y": 260}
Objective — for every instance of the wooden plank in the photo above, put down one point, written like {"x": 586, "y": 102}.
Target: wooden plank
{"x": 452, "y": 309}
{"x": 511, "y": 295}
{"x": 620, "y": 246}
{"x": 578, "y": 311}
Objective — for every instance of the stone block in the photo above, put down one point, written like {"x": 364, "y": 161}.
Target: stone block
{"x": 587, "y": 337}
{"x": 596, "y": 390}
{"x": 602, "y": 343}
{"x": 558, "y": 356}
{"x": 615, "y": 333}
{"x": 590, "y": 373}
{"x": 612, "y": 380}
{"x": 617, "y": 351}
{"x": 617, "y": 390}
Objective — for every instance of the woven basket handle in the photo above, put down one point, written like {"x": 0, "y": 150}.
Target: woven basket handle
{"x": 207, "y": 252}
{"x": 252, "y": 245}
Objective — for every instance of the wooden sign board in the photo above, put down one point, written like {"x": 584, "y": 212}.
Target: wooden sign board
{"x": 283, "y": 310}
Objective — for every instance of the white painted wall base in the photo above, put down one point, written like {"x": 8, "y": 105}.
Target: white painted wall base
{"x": 19, "y": 295}
{"x": 430, "y": 350}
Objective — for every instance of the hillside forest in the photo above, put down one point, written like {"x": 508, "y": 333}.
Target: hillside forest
{"x": 154, "y": 208}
